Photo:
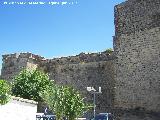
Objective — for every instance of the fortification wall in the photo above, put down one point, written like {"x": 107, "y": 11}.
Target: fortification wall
{"x": 129, "y": 77}
{"x": 80, "y": 71}
{"x": 136, "y": 15}
{"x": 137, "y": 48}
{"x": 83, "y": 71}
{"x": 83, "y": 75}
{"x": 14, "y": 63}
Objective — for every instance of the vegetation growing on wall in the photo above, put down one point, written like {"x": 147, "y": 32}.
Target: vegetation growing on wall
{"x": 5, "y": 91}
{"x": 109, "y": 50}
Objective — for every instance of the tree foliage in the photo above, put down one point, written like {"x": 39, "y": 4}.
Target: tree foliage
{"x": 5, "y": 91}
{"x": 109, "y": 50}
{"x": 29, "y": 83}
{"x": 64, "y": 101}
{"x": 73, "y": 103}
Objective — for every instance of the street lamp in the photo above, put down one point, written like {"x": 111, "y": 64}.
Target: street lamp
{"x": 94, "y": 92}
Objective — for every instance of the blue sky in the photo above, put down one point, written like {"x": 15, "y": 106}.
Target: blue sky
{"x": 57, "y": 30}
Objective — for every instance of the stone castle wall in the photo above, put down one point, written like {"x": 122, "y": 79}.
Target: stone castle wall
{"x": 129, "y": 76}
{"x": 81, "y": 71}
{"x": 14, "y": 63}
{"x": 136, "y": 15}
{"x": 137, "y": 48}
{"x": 84, "y": 75}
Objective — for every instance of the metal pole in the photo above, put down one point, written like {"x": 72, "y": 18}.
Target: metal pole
{"x": 94, "y": 102}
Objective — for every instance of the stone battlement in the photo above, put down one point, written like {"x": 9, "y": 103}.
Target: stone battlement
{"x": 129, "y": 76}
{"x": 80, "y": 71}
{"x": 82, "y": 57}
{"x": 22, "y": 55}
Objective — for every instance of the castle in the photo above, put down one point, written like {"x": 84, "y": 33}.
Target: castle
{"x": 129, "y": 76}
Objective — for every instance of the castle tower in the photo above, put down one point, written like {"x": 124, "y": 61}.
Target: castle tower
{"x": 137, "y": 47}
{"x": 14, "y": 63}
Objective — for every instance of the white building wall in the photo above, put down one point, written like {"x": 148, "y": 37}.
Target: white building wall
{"x": 18, "y": 110}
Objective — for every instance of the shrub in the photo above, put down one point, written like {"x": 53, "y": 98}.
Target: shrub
{"x": 5, "y": 92}
{"x": 29, "y": 83}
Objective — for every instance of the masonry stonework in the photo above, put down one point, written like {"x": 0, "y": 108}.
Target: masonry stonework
{"x": 81, "y": 71}
{"x": 137, "y": 48}
{"x": 129, "y": 76}
{"x": 83, "y": 75}
{"x": 14, "y": 63}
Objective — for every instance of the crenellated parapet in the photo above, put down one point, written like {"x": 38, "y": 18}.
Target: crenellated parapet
{"x": 21, "y": 55}
{"x": 129, "y": 75}
{"x": 14, "y": 63}
{"x": 80, "y": 71}
{"x": 83, "y": 58}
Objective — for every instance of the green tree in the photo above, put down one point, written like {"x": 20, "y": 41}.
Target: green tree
{"x": 64, "y": 101}
{"x": 109, "y": 50}
{"x": 52, "y": 97}
{"x": 73, "y": 103}
{"x": 5, "y": 92}
{"x": 29, "y": 83}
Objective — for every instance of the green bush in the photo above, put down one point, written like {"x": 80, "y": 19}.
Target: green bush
{"x": 109, "y": 50}
{"x": 29, "y": 83}
{"x": 5, "y": 92}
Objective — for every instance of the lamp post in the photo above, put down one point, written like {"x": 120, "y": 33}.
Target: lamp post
{"x": 94, "y": 92}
